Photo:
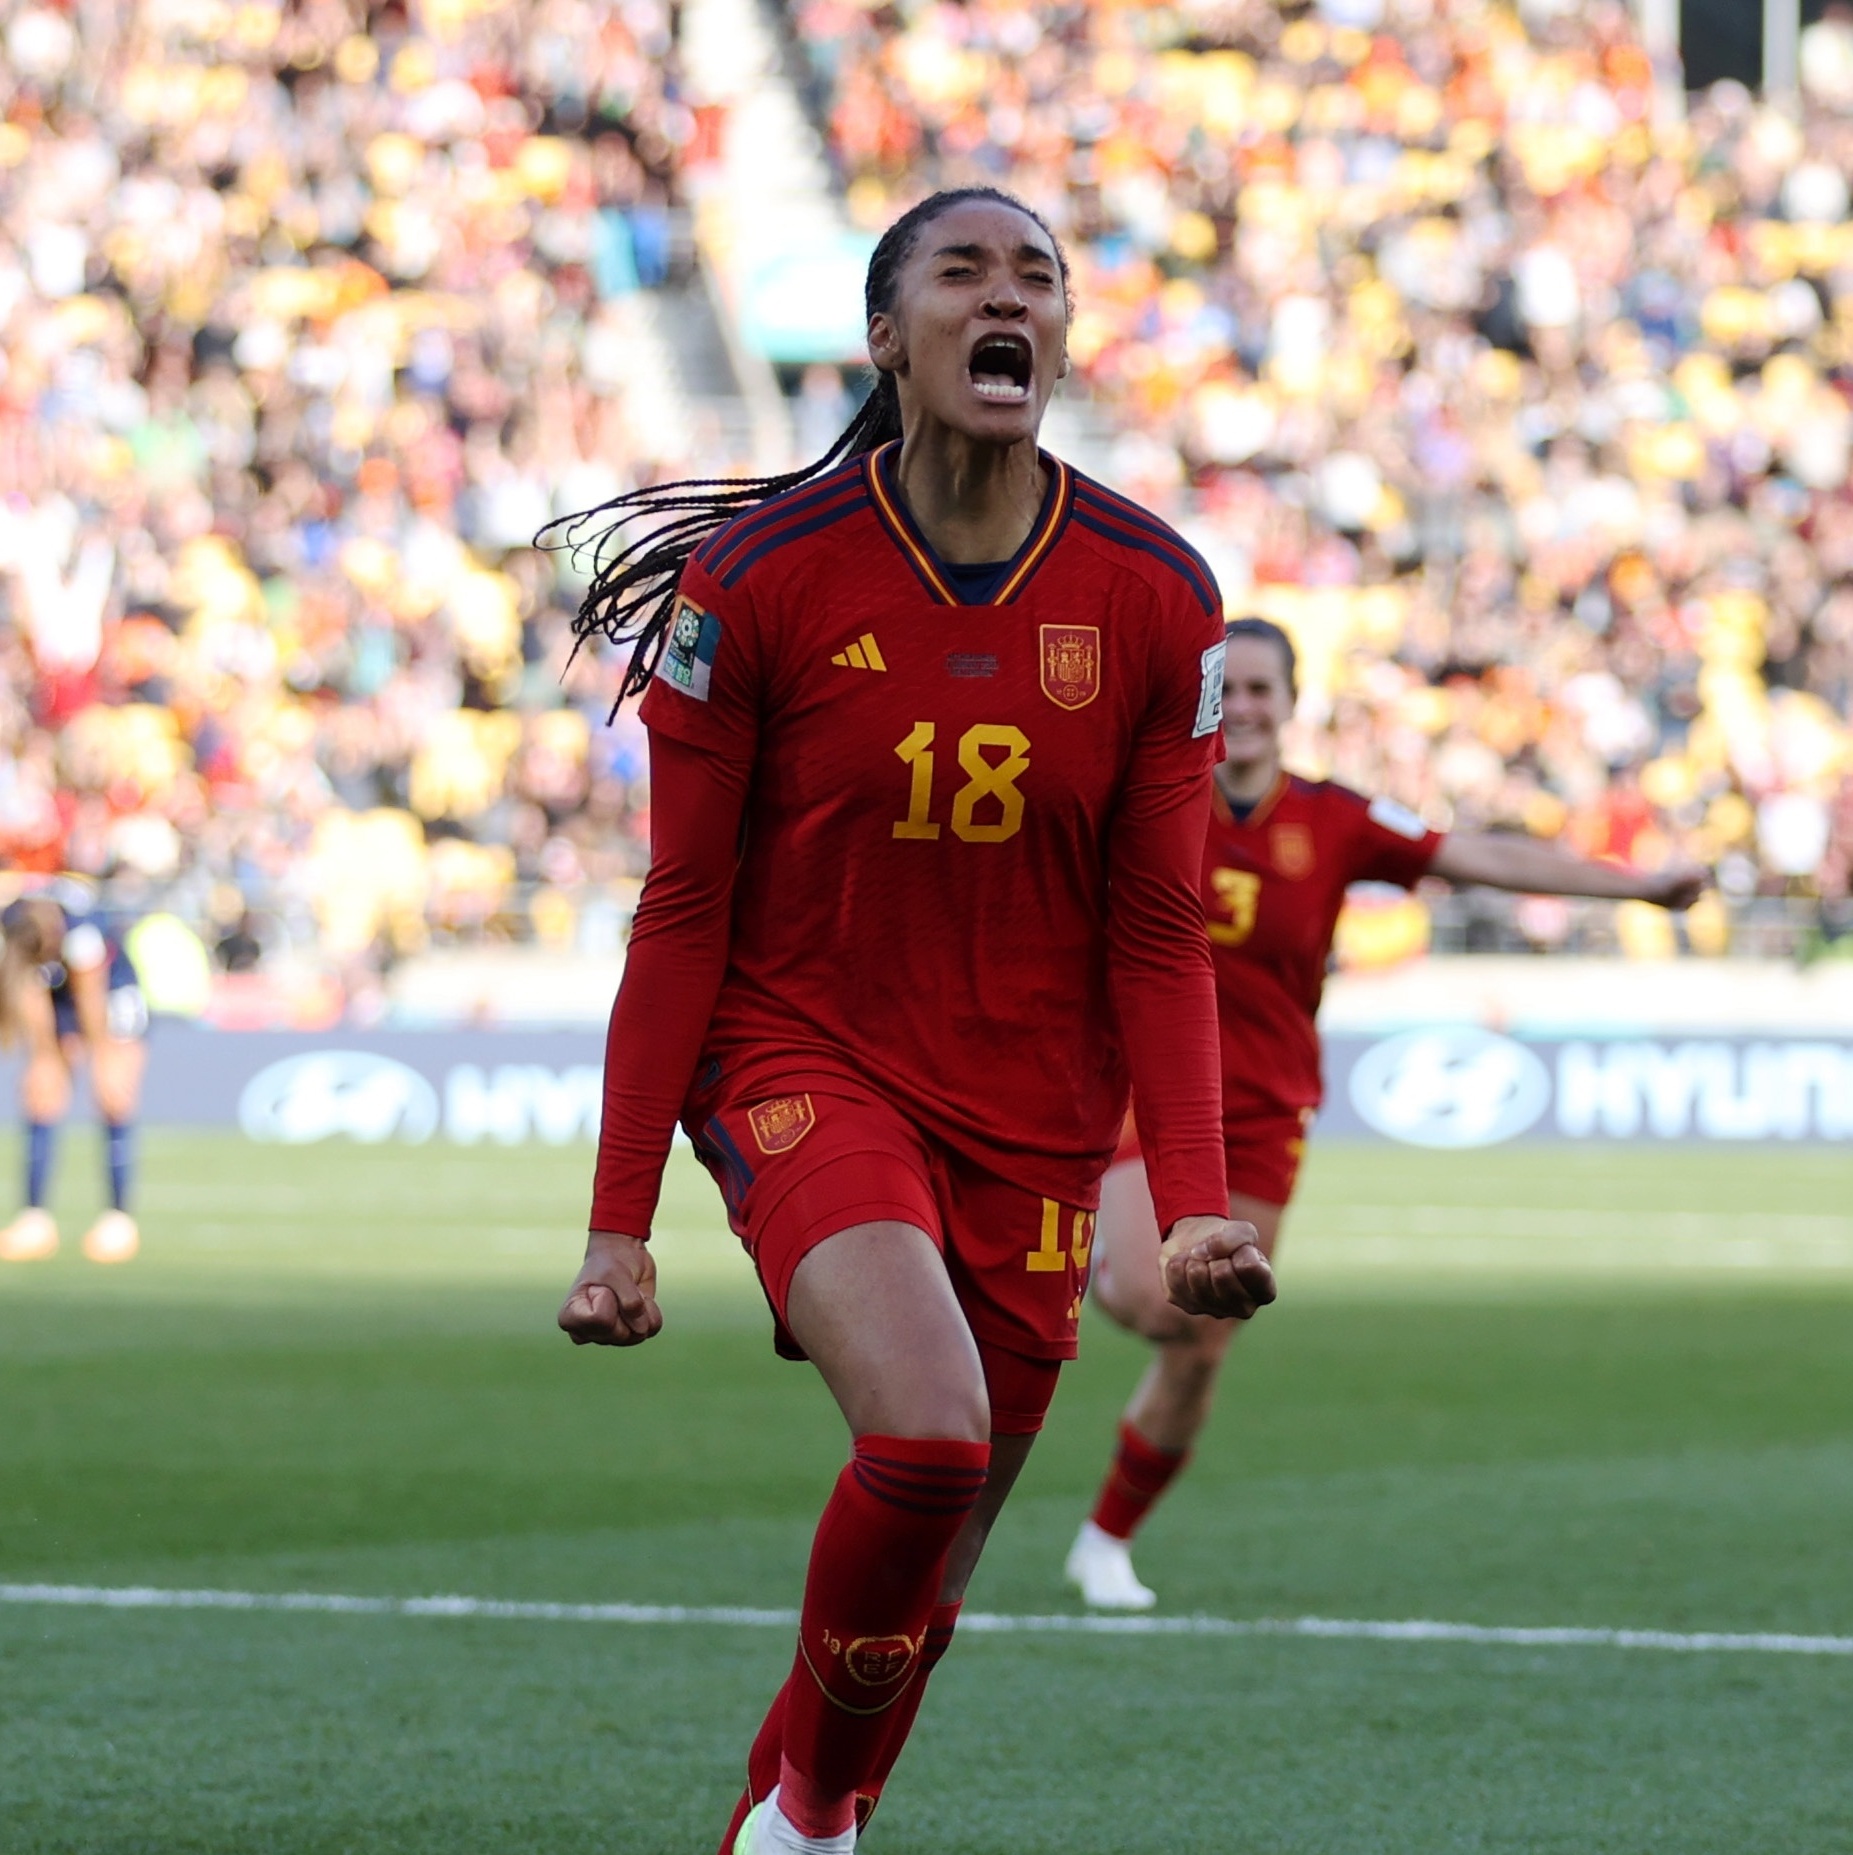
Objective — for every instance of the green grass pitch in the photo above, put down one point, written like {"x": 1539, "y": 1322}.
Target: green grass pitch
{"x": 1526, "y": 1387}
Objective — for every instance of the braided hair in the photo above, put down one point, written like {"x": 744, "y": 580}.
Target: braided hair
{"x": 633, "y": 592}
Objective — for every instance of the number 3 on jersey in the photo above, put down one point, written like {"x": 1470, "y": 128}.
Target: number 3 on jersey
{"x": 988, "y": 808}
{"x": 1237, "y": 891}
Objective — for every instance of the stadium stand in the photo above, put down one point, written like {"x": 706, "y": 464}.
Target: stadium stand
{"x": 311, "y": 316}
{"x": 1519, "y": 393}
{"x": 1522, "y": 398}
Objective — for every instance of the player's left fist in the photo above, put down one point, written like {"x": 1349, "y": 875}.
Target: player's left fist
{"x": 1214, "y": 1266}
{"x": 1680, "y": 886}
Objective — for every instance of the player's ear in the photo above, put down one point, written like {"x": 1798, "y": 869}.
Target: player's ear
{"x": 886, "y": 349}
{"x": 1062, "y": 372}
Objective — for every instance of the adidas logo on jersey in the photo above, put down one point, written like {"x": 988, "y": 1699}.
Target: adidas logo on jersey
{"x": 864, "y": 654}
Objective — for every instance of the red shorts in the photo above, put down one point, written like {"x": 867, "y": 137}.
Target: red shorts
{"x": 797, "y": 1168}
{"x": 1261, "y": 1152}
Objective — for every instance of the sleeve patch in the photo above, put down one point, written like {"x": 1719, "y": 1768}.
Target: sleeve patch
{"x": 1209, "y": 695}
{"x": 1398, "y": 818}
{"x": 694, "y": 638}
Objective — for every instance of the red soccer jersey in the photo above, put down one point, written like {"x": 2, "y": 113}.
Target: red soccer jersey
{"x": 1273, "y": 885}
{"x": 941, "y": 797}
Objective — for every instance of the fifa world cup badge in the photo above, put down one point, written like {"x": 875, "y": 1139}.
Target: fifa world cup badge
{"x": 694, "y": 638}
{"x": 1209, "y": 692}
{"x": 1071, "y": 664}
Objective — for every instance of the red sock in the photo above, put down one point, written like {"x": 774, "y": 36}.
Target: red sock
{"x": 762, "y": 1765}
{"x": 868, "y": 1602}
{"x": 940, "y": 1626}
{"x": 1139, "y": 1475}
{"x": 763, "y": 1761}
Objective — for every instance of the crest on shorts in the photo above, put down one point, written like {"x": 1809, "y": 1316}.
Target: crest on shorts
{"x": 1070, "y": 664}
{"x": 878, "y": 1661}
{"x": 1291, "y": 846}
{"x": 778, "y": 1125}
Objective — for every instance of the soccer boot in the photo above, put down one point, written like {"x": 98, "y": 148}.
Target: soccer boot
{"x": 112, "y": 1238}
{"x": 1100, "y": 1568}
{"x": 30, "y": 1237}
{"x": 768, "y": 1831}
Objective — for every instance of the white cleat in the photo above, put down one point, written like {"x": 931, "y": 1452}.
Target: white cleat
{"x": 1100, "y": 1568}
{"x": 112, "y": 1238}
{"x": 30, "y": 1237}
{"x": 768, "y": 1831}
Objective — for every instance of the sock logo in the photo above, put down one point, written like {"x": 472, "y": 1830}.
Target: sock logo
{"x": 876, "y": 1661}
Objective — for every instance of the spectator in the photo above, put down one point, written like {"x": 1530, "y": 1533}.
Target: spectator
{"x": 1528, "y": 414}
{"x": 304, "y": 330}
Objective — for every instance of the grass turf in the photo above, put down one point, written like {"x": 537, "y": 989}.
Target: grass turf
{"x": 1527, "y": 1387}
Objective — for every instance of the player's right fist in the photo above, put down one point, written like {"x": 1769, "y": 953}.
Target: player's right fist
{"x": 613, "y": 1298}
{"x": 1214, "y": 1266}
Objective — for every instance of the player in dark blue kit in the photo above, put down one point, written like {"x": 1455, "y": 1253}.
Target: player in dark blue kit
{"x": 69, "y": 993}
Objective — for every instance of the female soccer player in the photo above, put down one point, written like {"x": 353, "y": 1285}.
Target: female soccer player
{"x": 68, "y": 992}
{"x": 931, "y": 726}
{"x": 1280, "y": 853}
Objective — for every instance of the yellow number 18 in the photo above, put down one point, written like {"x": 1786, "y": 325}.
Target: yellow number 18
{"x": 986, "y": 778}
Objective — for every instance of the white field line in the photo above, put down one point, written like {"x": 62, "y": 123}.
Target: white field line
{"x": 151, "y": 1597}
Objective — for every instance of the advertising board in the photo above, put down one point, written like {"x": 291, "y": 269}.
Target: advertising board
{"x": 1445, "y": 1087}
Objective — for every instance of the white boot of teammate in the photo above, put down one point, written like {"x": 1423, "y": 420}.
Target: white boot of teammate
{"x": 30, "y": 1237}
{"x": 768, "y": 1831}
{"x": 1100, "y": 1567}
{"x": 112, "y": 1238}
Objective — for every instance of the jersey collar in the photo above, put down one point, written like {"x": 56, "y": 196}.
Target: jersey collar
{"x": 919, "y": 555}
{"x": 1263, "y": 806}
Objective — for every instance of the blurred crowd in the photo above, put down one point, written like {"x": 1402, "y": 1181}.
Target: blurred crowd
{"x": 311, "y": 314}
{"x": 1521, "y": 392}
{"x": 1524, "y": 396}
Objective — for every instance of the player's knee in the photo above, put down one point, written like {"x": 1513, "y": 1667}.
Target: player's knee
{"x": 1196, "y": 1349}
{"x": 1140, "y": 1309}
{"x": 956, "y": 1411}
{"x": 1162, "y": 1324}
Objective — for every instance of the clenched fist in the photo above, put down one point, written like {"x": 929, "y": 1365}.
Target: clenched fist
{"x": 1214, "y": 1266}
{"x": 613, "y": 1300}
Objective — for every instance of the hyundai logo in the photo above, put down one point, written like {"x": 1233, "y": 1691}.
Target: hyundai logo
{"x": 331, "y": 1092}
{"x": 1450, "y": 1088}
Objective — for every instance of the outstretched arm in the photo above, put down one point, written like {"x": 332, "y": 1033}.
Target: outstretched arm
{"x": 672, "y": 973}
{"x": 1534, "y": 867}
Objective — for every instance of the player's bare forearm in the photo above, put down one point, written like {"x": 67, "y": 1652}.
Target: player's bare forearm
{"x": 613, "y": 1298}
{"x": 1534, "y": 868}
{"x": 1215, "y": 1266}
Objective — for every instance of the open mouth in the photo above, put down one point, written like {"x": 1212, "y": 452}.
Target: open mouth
{"x": 1000, "y": 367}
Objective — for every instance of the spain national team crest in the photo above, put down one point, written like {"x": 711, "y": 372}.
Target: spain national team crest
{"x": 1292, "y": 848}
{"x": 779, "y": 1125}
{"x": 1071, "y": 664}
{"x": 879, "y": 1661}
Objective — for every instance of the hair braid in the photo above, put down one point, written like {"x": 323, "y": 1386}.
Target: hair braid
{"x": 632, "y": 596}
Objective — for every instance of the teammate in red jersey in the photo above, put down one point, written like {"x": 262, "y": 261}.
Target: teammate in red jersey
{"x": 1279, "y": 856}
{"x": 931, "y": 729}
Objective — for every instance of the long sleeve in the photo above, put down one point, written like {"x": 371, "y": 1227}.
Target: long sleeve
{"x": 678, "y": 954}
{"x": 1164, "y": 992}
